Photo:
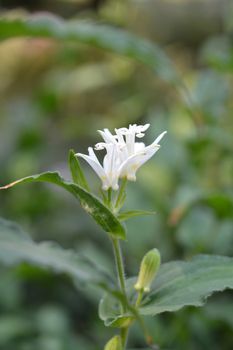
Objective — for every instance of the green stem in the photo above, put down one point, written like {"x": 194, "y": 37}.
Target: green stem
{"x": 124, "y": 336}
{"x": 121, "y": 281}
{"x": 121, "y": 193}
{"x": 119, "y": 265}
{"x": 119, "y": 260}
{"x": 109, "y": 198}
{"x": 139, "y": 298}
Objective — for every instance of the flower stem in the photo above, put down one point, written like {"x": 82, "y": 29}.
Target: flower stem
{"x": 119, "y": 259}
{"x": 121, "y": 195}
{"x": 139, "y": 298}
{"x": 109, "y": 200}
{"x": 121, "y": 281}
{"x": 119, "y": 265}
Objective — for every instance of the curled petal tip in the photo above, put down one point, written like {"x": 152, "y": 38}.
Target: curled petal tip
{"x": 146, "y": 126}
{"x": 100, "y": 146}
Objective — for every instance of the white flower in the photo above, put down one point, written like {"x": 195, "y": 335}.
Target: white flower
{"x": 124, "y": 155}
{"x": 108, "y": 173}
{"x": 132, "y": 154}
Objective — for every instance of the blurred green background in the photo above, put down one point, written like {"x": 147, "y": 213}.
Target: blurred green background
{"x": 54, "y": 96}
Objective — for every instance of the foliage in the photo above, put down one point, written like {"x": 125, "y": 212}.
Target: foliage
{"x": 91, "y": 204}
{"x": 102, "y": 36}
{"x": 17, "y": 247}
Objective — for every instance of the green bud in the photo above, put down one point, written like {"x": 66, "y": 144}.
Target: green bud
{"x": 114, "y": 343}
{"x": 148, "y": 270}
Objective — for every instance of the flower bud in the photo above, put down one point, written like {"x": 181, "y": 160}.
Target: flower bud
{"x": 148, "y": 270}
{"x": 114, "y": 344}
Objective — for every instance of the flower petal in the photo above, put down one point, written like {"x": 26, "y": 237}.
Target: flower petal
{"x": 159, "y": 138}
{"x": 139, "y": 146}
{"x": 107, "y": 136}
{"x": 111, "y": 165}
{"x": 133, "y": 163}
{"x": 94, "y": 163}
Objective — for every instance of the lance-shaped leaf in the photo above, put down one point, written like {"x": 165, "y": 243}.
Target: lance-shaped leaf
{"x": 126, "y": 215}
{"x": 102, "y": 36}
{"x": 76, "y": 171}
{"x": 100, "y": 213}
{"x": 177, "y": 284}
{"x": 17, "y": 247}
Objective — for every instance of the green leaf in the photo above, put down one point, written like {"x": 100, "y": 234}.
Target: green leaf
{"x": 17, "y": 247}
{"x": 132, "y": 213}
{"x": 177, "y": 284}
{"x": 222, "y": 204}
{"x": 103, "y": 36}
{"x": 109, "y": 310}
{"x": 76, "y": 171}
{"x": 99, "y": 212}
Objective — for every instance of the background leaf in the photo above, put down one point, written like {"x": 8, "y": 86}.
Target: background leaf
{"x": 102, "y": 36}
{"x": 100, "y": 213}
{"x": 17, "y": 247}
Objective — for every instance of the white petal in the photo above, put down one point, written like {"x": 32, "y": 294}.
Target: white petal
{"x": 133, "y": 163}
{"x": 111, "y": 165}
{"x": 127, "y": 165}
{"x": 92, "y": 155}
{"x": 107, "y": 136}
{"x": 123, "y": 131}
{"x": 120, "y": 137}
{"x": 145, "y": 127}
{"x": 130, "y": 141}
{"x": 159, "y": 138}
{"x": 140, "y": 129}
{"x": 115, "y": 185}
{"x": 139, "y": 146}
{"x": 107, "y": 163}
{"x": 148, "y": 154}
{"x": 140, "y": 135}
{"x": 95, "y": 165}
{"x": 122, "y": 153}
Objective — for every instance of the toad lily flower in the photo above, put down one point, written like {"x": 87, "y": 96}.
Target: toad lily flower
{"x": 132, "y": 154}
{"x": 124, "y": 155}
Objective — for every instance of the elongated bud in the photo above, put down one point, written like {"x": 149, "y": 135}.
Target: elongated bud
{"x": 148, "y": 270}
{"x": 114, "y": 344}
